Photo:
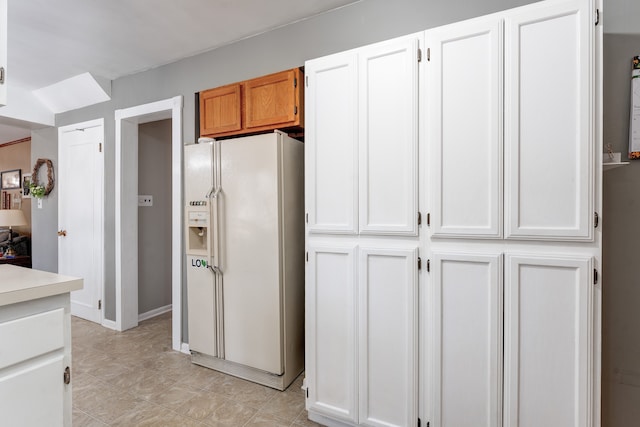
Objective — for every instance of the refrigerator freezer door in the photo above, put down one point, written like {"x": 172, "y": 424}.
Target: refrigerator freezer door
{"x": 250, "y": 235}
{"x": 198, "y": 172}
{"x": 202, "y": 306}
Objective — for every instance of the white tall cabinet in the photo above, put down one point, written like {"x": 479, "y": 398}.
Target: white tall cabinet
{"x": 361, "y": 163}
{"x": 501, "y": 326}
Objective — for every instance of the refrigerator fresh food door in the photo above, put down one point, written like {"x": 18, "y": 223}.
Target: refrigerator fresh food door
{"x": 249, "y": 239}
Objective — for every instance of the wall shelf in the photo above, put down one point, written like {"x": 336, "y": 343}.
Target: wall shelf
{"x": 612, "y": 165}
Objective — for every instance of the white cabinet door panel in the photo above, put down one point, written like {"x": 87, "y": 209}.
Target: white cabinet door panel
{"x": 549, "y": 141}
{"x": 388, "y": 295}
{"x": 466, "y": 323}
{"x": 548, "y": 341}
{"x": 389, "y": 137}
{"x": 331, "y": 330}
{"x": 464, "y": 126}
{"x": 331, "y": 144}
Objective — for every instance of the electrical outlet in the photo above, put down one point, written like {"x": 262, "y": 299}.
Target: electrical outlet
{"x": 145, "y": 200}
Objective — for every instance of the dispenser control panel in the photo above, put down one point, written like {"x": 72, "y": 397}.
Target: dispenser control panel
{"x": 198, "y": 203}
{"x": 198, "y": 219}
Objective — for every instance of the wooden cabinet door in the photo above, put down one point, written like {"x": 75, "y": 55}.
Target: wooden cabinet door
{"x": 464, "y": 128}
{"x": 330, "y": 319}
{"x": 331, "y": 144}
{"x": 221, "y": 110}
{"x": 549, "y": 116}
{"x": 548, "y": 343}
{"x": 274, "y": 100}
{"x": 464, "y": 321}
{"x": 388, "y": 327}
{"x": 388, "y": 119}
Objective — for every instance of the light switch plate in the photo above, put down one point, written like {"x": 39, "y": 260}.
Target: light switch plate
{"x": 145, "y": 200}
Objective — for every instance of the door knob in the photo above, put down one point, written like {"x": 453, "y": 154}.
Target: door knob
{"x": 62, "y": 233}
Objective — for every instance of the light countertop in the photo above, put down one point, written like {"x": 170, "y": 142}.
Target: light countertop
{"x": 18, "y": 284}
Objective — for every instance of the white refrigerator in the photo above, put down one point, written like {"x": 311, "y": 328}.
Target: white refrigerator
{"x": 245, "y": 256}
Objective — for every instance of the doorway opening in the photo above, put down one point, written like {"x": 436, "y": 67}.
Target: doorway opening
{"x": 127, "y": 243}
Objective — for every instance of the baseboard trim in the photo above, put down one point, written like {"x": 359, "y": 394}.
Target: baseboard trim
{"x": 109, "y": 324}
{"x": 153, "y": 313}
{"x": 184, "y": 348}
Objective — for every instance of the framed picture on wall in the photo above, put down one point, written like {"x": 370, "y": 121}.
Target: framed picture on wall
{"x": 10, "y": 179}
{"x": 26, "y": 183}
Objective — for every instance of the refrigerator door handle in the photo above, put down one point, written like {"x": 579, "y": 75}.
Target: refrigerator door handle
{"x": 215, "y": 212}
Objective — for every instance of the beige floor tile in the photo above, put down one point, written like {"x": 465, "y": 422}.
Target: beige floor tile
{"x": 267, "y": 420}
{"x": 81, "y": 419}
{"x": 174, "y": 397}
{"x": 149, "y": 414}
{"x": 230, "y": 414}
{"x": 304, "y": 421}
{"x": 202, "y": 405}
{"x": 284, "y": 405}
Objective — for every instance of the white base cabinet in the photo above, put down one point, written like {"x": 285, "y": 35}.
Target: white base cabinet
{"x": 362, "y": 306}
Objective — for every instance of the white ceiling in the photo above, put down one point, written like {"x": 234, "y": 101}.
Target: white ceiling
{"x": 50, "y": 41}
{"x": 53, "y": 40}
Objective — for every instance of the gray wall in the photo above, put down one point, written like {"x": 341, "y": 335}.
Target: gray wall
{"x": 621, "y": 244}
{"x": 154, "y": 222}
{"x": 44, "y": 222}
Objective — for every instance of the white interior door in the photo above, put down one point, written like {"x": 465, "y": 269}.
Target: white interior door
{"x": 80, "y": 213}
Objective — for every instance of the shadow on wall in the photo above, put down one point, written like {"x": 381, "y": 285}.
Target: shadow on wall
{"x": 621, "y": 244}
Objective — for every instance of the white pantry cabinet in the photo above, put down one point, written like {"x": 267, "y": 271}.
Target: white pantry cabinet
{"x": 514, "y": 186}
{"x": 361, "y": 182}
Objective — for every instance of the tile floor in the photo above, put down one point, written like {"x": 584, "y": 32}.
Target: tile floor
{"x": 133, "y": 378}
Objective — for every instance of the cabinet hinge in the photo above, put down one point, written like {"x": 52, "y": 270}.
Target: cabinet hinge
{"x": 419, "y": 263}
{"x": 429, "y": 266}
{"x": 295, "y": 82}
{"x": 428, "y": 54}
{"x": 306, "y": 217}
{"x": 295, "y": 109}
{"x": 1, "y": 75}
{"x": 428, "y": 219}
{"x": 419, "y": 218}
{"x": 597, "y": 17}
{"x": 419, "y": 55}
{"x": 418, "y": 422}
{"x": 306, "y": 81}
{"x": 596, "y": 220}
{"x": 99, "y": 304}
{"x": 595, "y": 276}
{"x": 307, "y": 393}
{"x": 306, "y": 256}
{"x": 100, "y": 147}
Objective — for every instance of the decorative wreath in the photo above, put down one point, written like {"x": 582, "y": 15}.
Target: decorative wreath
{"x": 50, "y": 180}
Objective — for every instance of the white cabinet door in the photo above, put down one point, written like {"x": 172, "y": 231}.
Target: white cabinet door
{"x": 331, "y": 144}
{"x": 465, "y": 320}
{"x": 33, "y": 394}
{"x": 549, "y": 134}
{"x": 330, "y": 313}
{"x": 389, "y": 137}
{"x": 548, "y": 341}
{"x": 387, "y": 353}
{"x": 464, "y": 128}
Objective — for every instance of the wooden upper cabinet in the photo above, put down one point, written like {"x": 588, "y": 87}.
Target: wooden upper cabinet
{"x": 220, "y": 110}
{"x": 275, "y": 101}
